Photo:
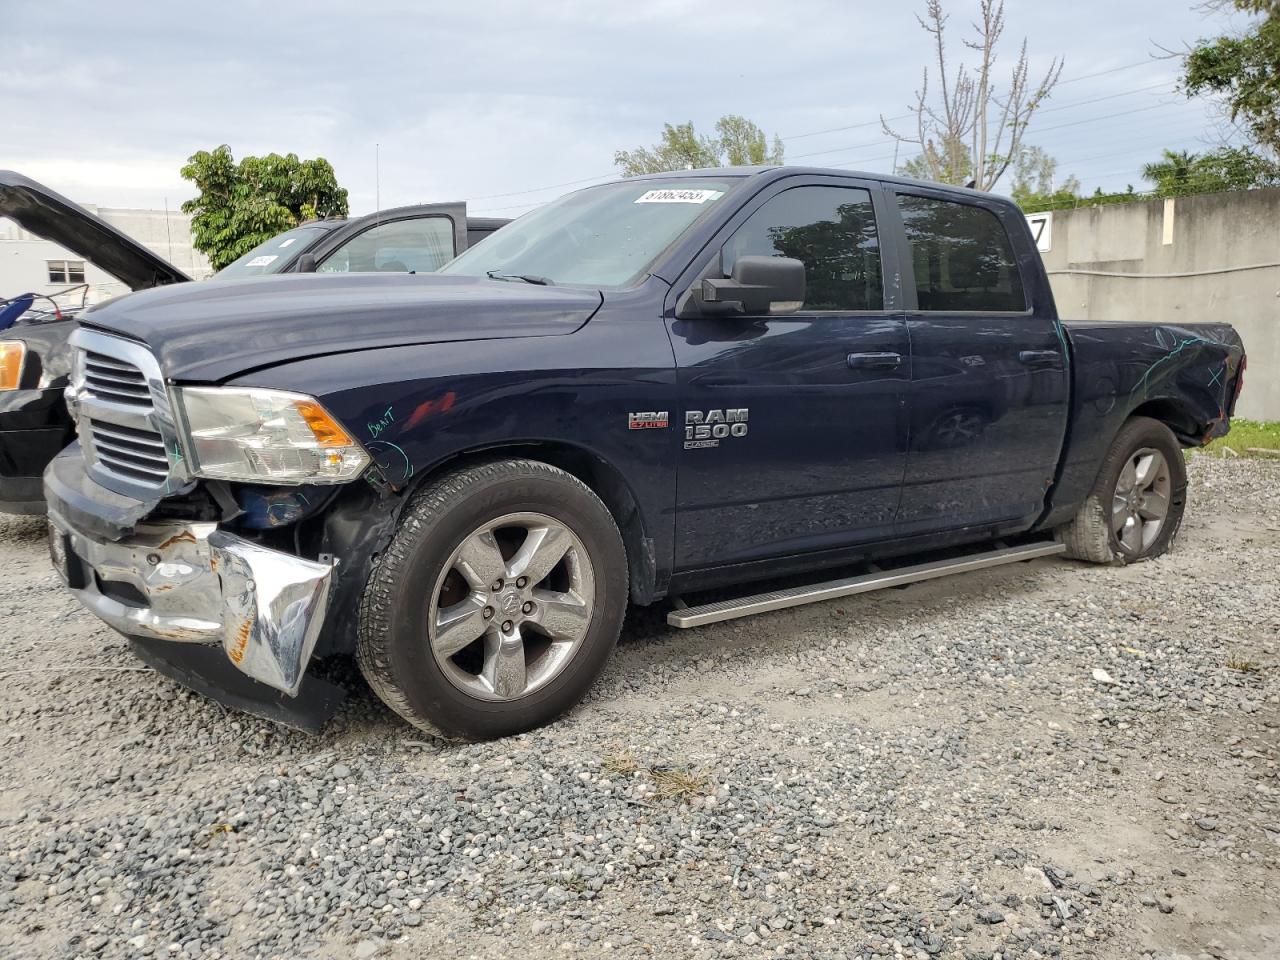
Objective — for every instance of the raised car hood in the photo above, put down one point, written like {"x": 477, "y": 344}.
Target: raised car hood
{"x": 209, "y": 332}
{"x": 52, "y": 216}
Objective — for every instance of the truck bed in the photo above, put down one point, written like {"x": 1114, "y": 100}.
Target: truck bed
{"x": 1186, "y": 374}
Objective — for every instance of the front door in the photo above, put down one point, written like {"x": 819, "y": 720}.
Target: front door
{"x": 989, "y": 387}
{"x": 793, "y": 426}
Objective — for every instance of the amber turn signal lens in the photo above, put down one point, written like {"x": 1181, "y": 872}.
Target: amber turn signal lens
{"x": 12, "y": 353}
{"x": 327, "y": 430}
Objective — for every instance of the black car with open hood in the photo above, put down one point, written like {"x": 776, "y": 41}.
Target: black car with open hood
{"x": 34, "y": 358}
{"x": 50, "y": 215}
{"x": 34, "y": 424}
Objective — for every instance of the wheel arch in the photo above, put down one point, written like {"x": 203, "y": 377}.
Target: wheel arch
{"x": 1178, "y": 415}
{"x": 603, "y": 478}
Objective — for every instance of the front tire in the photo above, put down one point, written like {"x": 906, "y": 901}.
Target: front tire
{"x": 1136, "y": 505}
{"x": 496, "y": 604}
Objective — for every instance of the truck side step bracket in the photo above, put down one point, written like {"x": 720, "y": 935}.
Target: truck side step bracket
{"x": 685, "y": 617}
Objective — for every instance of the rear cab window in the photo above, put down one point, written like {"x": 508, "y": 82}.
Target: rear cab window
{"x": 961, "y": 257}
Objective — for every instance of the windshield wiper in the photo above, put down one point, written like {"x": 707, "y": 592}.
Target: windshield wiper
{"x": 527, "y": 278}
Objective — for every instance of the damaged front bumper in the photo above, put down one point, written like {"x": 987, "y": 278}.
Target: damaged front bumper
{"x": 187, "y": 583}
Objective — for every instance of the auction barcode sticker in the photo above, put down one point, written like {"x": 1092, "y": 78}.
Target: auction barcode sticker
{"x": 678, "y": 196}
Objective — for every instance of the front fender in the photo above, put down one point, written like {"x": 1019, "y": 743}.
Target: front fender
{"x": 416, "y": 408}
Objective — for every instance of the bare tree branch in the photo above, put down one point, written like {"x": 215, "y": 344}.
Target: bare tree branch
{"x": 974, "y": 131}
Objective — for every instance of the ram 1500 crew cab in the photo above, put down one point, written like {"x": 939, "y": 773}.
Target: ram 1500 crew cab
{"x": 643, "y": 389}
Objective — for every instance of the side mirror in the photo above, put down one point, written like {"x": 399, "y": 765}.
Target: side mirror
{"x": 759, "y": 285}
{"x": 306, "y": 263}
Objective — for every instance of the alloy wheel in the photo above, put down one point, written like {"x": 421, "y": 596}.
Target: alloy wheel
{"x": 1141, "y": 501}
{"x": 511, "y": 607}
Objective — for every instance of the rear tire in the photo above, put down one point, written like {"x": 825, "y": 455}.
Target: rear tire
{"x": 496, "y": 604}
{"x": 1136, "y": 505}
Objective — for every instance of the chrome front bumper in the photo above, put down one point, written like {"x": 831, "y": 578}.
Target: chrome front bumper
{"x": 195, "y": 583}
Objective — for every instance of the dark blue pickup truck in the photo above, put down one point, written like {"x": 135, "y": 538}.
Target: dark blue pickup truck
{"x": 643, "y": 390}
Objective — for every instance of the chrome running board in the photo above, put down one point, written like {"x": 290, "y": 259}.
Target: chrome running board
{"x": 685, "y": 617}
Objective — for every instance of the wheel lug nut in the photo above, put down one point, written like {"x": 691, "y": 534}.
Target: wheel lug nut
{"x": 522, "y": 582}
{"x": 488, "y": 613}
{"x": 496, "y": 586}
{"x": 508, "y": 626}
{"x": 528, "y": 606}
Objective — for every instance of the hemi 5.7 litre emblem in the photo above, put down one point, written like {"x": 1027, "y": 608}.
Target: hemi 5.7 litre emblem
{"x": 647, "y": 420}
{"x": 707, "y": 428}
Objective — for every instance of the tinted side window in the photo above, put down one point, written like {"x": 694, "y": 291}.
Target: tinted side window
{"x": 961, "y": 257}
{"x": 832, "y": 230}
{"x": 422, "y": 245}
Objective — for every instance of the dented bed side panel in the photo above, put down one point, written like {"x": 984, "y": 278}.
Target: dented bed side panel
{"x": 1184, "y": 374}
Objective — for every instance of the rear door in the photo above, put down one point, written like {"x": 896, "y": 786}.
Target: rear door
{"x": 989, "y": 383}
{"x": 793, "y": 425}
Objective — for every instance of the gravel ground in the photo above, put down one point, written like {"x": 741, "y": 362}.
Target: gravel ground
{"x": 1038, "y": 761}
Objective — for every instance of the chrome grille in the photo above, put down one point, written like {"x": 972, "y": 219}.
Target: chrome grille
{"x": 129, "y": 452}
{"x": 115, "y": 380}
{"x": 120, "y": 402}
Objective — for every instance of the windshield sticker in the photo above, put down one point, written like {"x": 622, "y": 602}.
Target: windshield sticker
{"x": 261, "y": 261}
{"x": 286, "y": 243}
{"x": 679, "y": 196}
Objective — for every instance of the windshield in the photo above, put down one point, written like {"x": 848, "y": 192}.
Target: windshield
{"x": 272, "y": 256}
{"x": 603, "y": 236}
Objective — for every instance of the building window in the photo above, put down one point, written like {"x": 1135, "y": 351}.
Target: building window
{"x": 66, "y": 271}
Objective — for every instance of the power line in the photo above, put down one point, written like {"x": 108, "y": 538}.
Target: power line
{"x": 904, "y": 116}
{"x": 1071, "y": 166}
{"x": 1110, "y": 96}
{"x": 516, "y": 206}
{"x": 1105, "y": 73}
{"x": 1064, "y": 106}
{"x": 553, "y": 186}
{"x": 858, "y": 126}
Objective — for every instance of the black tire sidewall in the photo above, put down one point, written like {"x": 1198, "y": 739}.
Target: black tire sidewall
{"x": 420, "y": 678}
{"x": 1139, "y": 433}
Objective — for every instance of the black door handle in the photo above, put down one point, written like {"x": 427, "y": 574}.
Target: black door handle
{"x": 874, "y": 361}
{"x": 1040, "y": 358}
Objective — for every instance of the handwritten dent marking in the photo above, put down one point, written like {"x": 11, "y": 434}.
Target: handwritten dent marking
{"x": 1161, "y": 340}
{"x": 408, "y": 465}
{"x": 384, "y": 421}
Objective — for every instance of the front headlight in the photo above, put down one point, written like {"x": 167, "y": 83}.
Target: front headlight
{"x": 266, "y": 436}
{"x": 12, "y": 353}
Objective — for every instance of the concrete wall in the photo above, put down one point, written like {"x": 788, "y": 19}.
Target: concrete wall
{"x": 24, "y": 256}
{"x": 1214, "y": 232}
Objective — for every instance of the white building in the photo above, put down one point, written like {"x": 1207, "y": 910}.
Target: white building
{"x": 29, "y": 264}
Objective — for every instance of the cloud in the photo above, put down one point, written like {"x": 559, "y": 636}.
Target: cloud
{"x": 500, "y": 96}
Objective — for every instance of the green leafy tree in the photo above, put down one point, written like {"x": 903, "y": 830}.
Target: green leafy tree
{"x": 240, "y": 205}
{"x": 738, "y": 142}
{"x": 744, "y": 144}
{"x": 1180, "y": 174}
{"x": 1243, "y": 71}
{"x": 1034, "y": 175}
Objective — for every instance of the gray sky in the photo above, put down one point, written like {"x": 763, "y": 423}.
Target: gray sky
{"x": 489, "y": 100}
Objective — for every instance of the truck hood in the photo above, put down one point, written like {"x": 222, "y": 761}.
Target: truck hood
{"x": 52, "y": 216}
{"x": 209, "y": 332}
